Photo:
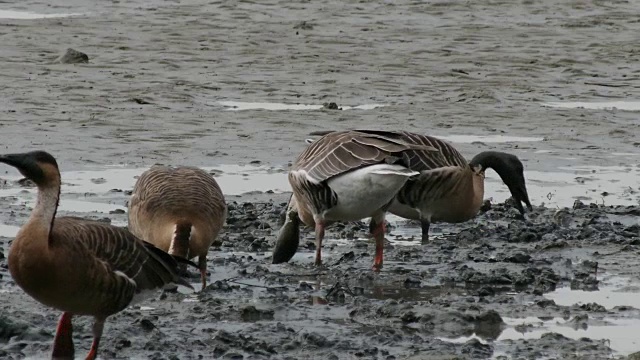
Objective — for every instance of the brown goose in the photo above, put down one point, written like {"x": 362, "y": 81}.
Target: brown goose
{"x": 345, "y": 176}
{"x": 79, "y": 266}
{"x": 450, "y": 188}
{"x": 180, "y": 210}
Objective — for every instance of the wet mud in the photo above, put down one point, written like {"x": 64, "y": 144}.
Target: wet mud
{"x": 552, "y": 285}
{"x": 237, "y": 86}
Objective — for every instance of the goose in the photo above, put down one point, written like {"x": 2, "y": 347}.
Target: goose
{"x": 345, "y": 176}
{"x": 450, "y": 188}
{"x": 181, "y": 210}
{"x": 80, "y": 266}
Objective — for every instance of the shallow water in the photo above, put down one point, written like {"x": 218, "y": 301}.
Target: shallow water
{"x": 100, "y": 190}
{"x": 9, "y": 231}
{"x": 620, "y": 333}
{"x": 96, "y": 190}
{"x": 239, "y": 106}
{"x": 612, "y": 292}
{"x": 25, "y": 15}
{"x": 625, "y": 105}
{"x": 462, "y": 139}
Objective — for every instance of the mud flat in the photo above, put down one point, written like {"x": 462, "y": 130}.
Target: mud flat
{"x": 236, "y": 87}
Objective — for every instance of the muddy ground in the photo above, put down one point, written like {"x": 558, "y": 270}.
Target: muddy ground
{"x": 449, "y": 299}
{"x": 494, "y": 287}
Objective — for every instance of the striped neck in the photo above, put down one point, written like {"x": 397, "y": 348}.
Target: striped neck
{"x": 181, "y": 238}
{"x": 44, "y": 213}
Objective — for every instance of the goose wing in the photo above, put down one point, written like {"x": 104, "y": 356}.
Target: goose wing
{"x": 121, "y": 265}
{"x": 339, "y": 152}
{"x": 419, "y": 160}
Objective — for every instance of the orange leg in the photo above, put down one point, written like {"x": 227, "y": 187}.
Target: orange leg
{"x": 202, "y": 263}
{"x": 98, "y": 325}
{"x": 319, "y": 237}
{"x": 63, "y": 341}
{"x": 377, "y": 231}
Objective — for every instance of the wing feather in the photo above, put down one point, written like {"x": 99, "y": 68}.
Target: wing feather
{"x": 115, "y": 252}
{"x": 339, "y": 152}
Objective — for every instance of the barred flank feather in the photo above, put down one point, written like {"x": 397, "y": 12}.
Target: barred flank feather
{"x": 180, "y": 210}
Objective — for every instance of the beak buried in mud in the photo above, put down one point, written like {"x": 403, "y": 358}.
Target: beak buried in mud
{"x": 520, "y": 195}
{"x": 288, "y": 239}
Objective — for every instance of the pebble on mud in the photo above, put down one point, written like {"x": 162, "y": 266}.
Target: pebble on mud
{"x": 251, "y": 313}
{"x": 331, "y": 106}
{"x": 303, "y": 25}
{"x": 72, "y": 56}
{"x": 477, "y": 350}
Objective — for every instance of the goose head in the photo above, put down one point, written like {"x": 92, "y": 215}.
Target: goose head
{"x": 288, "y": 238}
{"x": 38, "y": 166}
{"x": 510, "y": 170}
{"x": 296, "y": 214}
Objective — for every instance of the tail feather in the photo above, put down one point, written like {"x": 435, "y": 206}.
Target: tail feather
{"x": 164, "y": 267}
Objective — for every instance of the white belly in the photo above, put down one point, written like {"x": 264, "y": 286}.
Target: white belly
{"x": 362, "y": 192}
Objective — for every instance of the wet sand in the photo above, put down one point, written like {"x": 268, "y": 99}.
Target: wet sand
{"x": 236, "y": 87}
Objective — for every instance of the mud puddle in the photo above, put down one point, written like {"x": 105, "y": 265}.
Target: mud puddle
{"x": 468, "y": 139}
{"x": 107, "y": 190}
{"x": 614, "y": 320}
{"x": 613, "y": 292}
{"x": 9, "y": 231}
{"x": 618, "y": 334}
{"x": 25, "y": 15}
{"x": 240, "y": 106}
{"x": 104, "y": 190}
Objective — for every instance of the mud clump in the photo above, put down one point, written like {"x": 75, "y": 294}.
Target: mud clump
{"x": 250, "y": 313}
{"x": 72, "y": 56}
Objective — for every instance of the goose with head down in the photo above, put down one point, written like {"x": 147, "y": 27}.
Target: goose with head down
{"x": 79, "y": 266}
{"x": 345, "y": 176}
{"x": 450, "y": 188}
{"x": 181, "y": 210}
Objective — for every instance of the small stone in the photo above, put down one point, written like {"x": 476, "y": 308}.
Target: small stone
{"x": 486, "y": 291}
{"x": 72, "y": 56}
{"x": 305, "y": 286}
{"x": 251, "y": 313}
{"x": 147, "y": 325}
{"x": 545, "y": 303}
{"x": 303, "y": 25}
{"x": 409, "y": 317}
{"x": 519, "y": 258}
{"x": 490, "y": 317}
{"x": 331, "y": 106}
{"x": 412, "y": 281}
